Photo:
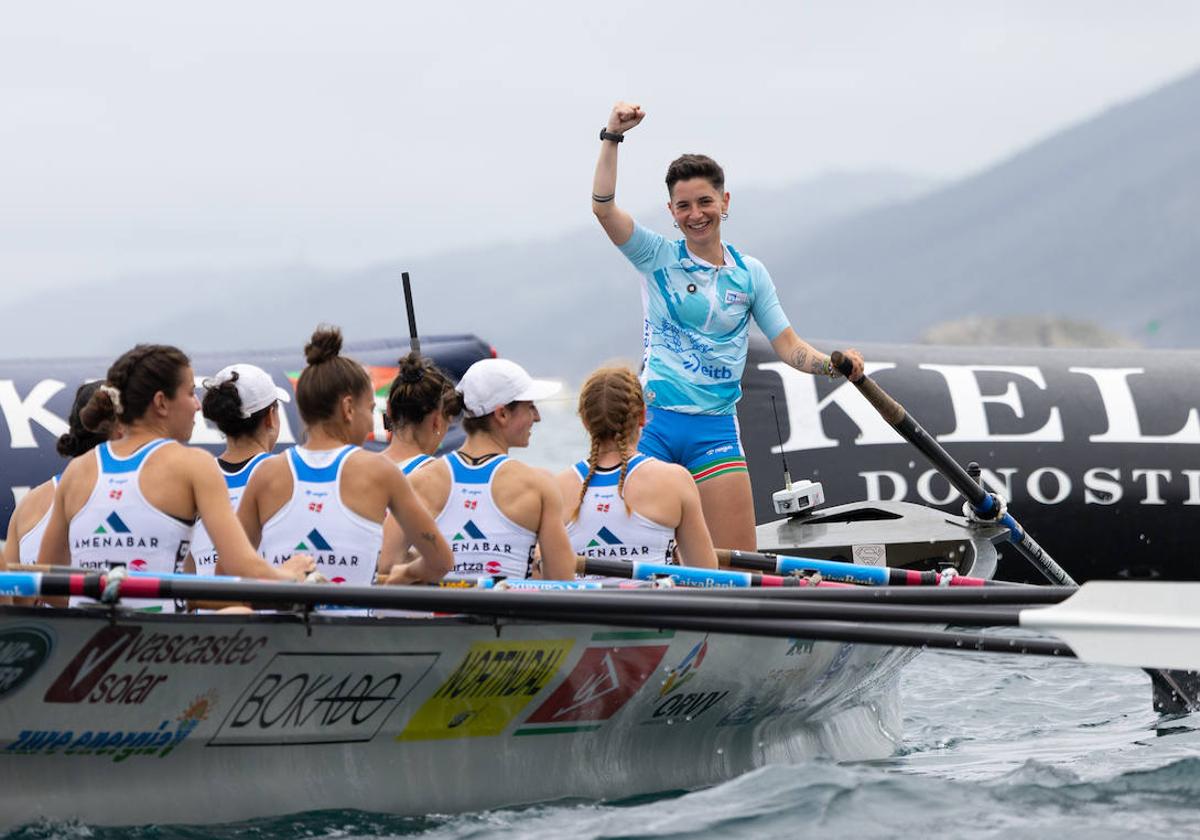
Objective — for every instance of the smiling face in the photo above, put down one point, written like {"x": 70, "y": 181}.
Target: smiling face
{"x": 518, "y": 420}
{"x": 697, "y": 206}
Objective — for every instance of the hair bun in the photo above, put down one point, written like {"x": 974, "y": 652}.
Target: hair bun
{"x": 325, "y": 344}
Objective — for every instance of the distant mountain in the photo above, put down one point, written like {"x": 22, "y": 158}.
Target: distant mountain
{"x": 563, "y": 305}
{"x": 1099, "y": 223}
{"x": 1022, "y": 331}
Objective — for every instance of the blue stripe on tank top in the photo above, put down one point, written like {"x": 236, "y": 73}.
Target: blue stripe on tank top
{"x": 414, "y": 463}
{"x": 608, "y": 479}
{"x": 111, "y": 463}
{"x": 466, "y": 474}
{"x": 238, "y": 479}
{"x": 318, "y": 475}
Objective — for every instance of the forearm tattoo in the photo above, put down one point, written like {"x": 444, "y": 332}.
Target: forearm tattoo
{"x": 429, "y": 536}
{"x": 800, "y": 359}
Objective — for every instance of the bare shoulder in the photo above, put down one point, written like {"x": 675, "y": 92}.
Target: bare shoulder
{"x": 373, "y": 464}
{"x": 33, "y": 506}
{"x": 664, "y": 472}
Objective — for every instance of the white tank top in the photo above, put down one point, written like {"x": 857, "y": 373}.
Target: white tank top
{"x": 204, "y": 553}
{"x": 31, "y": 543}
{"x": 414, "y": 463}
{"x": 316, "y": 522}
{"x": 118, "y": 526}
{"x": 604, "y": 531}
{"x": 484, "y": 540}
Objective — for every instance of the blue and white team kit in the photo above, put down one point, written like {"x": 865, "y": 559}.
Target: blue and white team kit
{"x": 485, "y": 542}
{"x": 344, "y": 546}
{"x": 695, "y": 338}
{"x": 604, "y": 530}
{"x": 204, "y": 553}
{"x": 117, "y": 526}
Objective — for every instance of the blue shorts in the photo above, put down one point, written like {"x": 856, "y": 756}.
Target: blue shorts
{"x": 708, "y": 445}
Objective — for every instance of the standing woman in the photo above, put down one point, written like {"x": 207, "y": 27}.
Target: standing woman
{"x": 134, "y": 503}
{"x": 699, "y": 295}
{"x": 330, "y": 496}
{"x": 32, "y": 514}
{"x": 621, "y": 504}
{"x": 243, "y": 401}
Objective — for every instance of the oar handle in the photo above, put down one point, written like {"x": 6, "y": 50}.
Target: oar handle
{"x": 891, "y": 410}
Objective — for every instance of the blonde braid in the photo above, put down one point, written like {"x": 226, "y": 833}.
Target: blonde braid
{"x": 620, "y": 437}
{"x": 610, "y": 404}
{"x": 593, "y": 457}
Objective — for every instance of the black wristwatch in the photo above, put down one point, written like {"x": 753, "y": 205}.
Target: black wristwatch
{"x": 605, "y": 134}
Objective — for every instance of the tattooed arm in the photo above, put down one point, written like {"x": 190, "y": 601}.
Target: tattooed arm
{"x": 805, "y": 358}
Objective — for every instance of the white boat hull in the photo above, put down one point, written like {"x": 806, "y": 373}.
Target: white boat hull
{"x": 176, "y": 719}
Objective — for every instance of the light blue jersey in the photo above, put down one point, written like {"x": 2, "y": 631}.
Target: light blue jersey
{"x": 697, "y": 322}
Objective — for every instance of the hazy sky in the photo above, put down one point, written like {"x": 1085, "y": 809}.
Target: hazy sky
{"x": 148, "y": 135}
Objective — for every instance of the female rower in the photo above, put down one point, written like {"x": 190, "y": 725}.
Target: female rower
{"x": 493, "y": 509}
{"x": 621, "y": 504}
{"x": 135, "y": 502}
{"x": 329, "y": 496}
{"x": 32, "y": 514}
{"x": 698, "y": 295}
{"x": 421, "y": 405}
{"x": 243, "y": 401}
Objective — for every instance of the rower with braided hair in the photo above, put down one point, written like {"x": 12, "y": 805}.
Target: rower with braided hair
{"x": 619, "y": 503}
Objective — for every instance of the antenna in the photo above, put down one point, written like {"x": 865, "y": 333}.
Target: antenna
{"x": 415, "y": 342}
{"x": 787, "y": 476}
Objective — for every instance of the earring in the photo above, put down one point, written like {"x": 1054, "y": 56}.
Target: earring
{"x": 676, "y": 225}
{"x": 724, "y": 216}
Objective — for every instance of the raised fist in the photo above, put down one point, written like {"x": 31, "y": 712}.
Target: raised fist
{"x": 624, "y": 116}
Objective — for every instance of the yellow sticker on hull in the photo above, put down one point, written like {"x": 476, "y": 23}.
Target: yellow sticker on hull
{"x": 493, "y": 683}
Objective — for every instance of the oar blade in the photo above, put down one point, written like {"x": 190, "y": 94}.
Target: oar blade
{"x": 1140, "y": 624}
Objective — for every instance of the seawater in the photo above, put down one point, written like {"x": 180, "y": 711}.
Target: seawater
{"x": 995, "y": 746}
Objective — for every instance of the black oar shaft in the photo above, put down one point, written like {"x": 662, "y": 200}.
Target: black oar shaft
{"x": 889, "y": 635}
{"x": 983, "y": 502}
{"x": 414, "y": 339}
{"x": 525, "y": 604}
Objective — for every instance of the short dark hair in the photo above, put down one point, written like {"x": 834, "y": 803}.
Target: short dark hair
{"x": 695, "y": 166}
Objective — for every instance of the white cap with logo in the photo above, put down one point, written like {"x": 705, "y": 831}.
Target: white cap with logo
{"x": 491, "y": 383}
{"x": 255, "y": 387}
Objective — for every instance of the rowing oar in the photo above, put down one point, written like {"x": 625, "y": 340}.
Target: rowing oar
{"x": 985, "y": 504}
{"x": 1170, "y": 693}
{"x": 1140, "y": 624}
{"x": 691, "y": 576}
{"x": 833, "y": 570}
{"x": 414, "y": 340}
{"x": 666, "y": 611}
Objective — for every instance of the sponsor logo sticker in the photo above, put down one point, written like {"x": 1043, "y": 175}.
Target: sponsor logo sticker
{"x": 490, "y": 687}
{"x": 674, "y": 703}
{"x": 22, "y": 652}
{"x": 324, "y": 698}
{"x": 602, "y": 682}
{"x": 117, "y": 745}
{"x": 124, "y": 664}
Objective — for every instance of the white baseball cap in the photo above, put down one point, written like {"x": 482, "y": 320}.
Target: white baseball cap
{"x": 491, "y": 383}
{"x": 255, "y": 387}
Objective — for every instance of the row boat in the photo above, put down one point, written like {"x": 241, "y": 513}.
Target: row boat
{"x": 117, "y": 717}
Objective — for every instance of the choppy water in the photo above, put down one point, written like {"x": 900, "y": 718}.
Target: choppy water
{"x": 995, "y": 746}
